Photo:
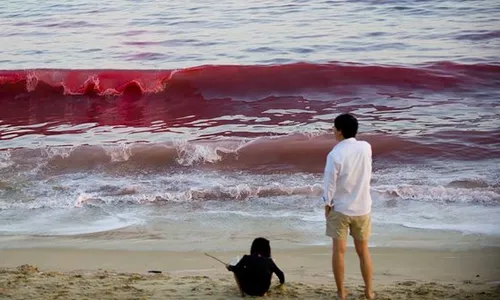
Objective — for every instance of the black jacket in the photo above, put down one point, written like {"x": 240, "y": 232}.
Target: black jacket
{"x": 254, "y": 274}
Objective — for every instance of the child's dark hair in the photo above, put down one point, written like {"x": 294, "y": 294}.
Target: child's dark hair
{"x": 261, "y": 246}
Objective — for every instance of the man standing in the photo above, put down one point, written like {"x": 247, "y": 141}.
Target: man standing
{"x": 347, "y": 200}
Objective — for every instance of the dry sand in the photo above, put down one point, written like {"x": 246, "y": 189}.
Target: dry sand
{"x": 101, "y": 274}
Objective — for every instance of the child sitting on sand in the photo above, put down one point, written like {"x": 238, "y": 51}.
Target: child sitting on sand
{"x": 253, "y": 272}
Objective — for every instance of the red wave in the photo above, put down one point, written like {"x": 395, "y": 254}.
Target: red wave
{"x": 242, "y": 81}
{"x": 80, "y": 82}
{"x": 293, "y": 153}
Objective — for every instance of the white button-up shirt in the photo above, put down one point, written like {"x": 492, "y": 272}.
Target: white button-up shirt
{"x": 347, "y": 177}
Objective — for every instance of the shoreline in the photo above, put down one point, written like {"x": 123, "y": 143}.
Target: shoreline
{"x": 135, "y": 239}
{"x": 187, "y": 236}
{"x": 399, "y": 273}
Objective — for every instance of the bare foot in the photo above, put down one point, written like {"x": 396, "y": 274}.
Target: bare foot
{"x": 341, "y": 295}
{"x": 369, "y": 295}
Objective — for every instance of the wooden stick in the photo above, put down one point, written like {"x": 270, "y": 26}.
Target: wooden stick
{"x": 225, "y": 264}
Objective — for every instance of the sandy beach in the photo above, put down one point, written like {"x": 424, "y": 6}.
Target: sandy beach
{"x": 137, "y": 135}
{"x": 111, "y": 274}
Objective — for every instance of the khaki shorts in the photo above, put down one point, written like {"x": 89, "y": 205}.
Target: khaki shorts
{"x": 337, "y": 225}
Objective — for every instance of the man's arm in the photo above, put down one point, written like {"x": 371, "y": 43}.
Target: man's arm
{"x": 329, "y": 181}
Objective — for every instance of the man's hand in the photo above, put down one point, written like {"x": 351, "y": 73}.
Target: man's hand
{"x": 328, "y": 208}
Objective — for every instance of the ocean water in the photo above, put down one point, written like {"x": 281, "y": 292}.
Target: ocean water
{"x": 179, "y": 125}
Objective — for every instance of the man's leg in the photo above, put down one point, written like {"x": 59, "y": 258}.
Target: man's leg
{"x": 360, "y": 231}
{"x": 365, "y": 263}
{"x": 336, "y": 227}
{"x": 339, "y": 246}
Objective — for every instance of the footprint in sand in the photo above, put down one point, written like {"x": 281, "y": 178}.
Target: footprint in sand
{"x": 407, "y": 283}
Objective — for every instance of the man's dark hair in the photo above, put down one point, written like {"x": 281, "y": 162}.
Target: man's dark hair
{"x": 347, "y": 124}
{"x": 261, "y": 246}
